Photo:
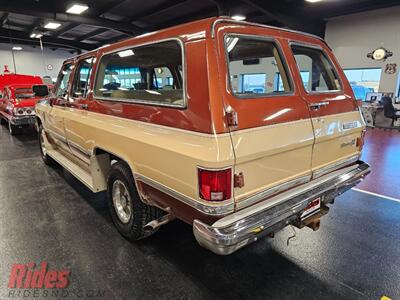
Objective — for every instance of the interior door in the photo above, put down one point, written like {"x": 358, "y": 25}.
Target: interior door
{"x": 337, "y": 121}
{"x": 273, "y": 138}
{"x": 54, "y": 121}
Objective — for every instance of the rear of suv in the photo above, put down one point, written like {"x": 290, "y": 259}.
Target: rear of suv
{"x": 236, "y": 128}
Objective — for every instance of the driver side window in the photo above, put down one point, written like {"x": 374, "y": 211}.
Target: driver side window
{"x": 63, "y": 80}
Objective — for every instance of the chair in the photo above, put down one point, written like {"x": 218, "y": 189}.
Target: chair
{"x": 389, "y": 111}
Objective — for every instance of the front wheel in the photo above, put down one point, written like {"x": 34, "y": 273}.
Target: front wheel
{"x": 128, "y": 212}
{"x": 14, "y": 130}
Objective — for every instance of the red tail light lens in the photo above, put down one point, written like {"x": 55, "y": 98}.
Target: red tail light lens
{"x": 215, "y": 185}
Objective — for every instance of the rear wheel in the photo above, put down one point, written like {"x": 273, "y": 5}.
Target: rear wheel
{"x": 43, "y": 149}
{"x": 128, "y": 212}
{"x": 2, "y": 121}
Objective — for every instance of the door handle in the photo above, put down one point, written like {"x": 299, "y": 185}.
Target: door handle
{"x": 316, "y": 106}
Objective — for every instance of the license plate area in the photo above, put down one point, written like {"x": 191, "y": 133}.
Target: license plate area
{"x": 313, "y": 207}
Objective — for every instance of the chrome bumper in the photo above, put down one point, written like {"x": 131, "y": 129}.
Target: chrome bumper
{"x": 243, "y": 227}
{"x": 24, "y": 120}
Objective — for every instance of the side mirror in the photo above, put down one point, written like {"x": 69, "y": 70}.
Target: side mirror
{"x": 40, "y": 90}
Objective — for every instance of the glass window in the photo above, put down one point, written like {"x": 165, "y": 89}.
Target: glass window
{"x": 255, "y": 66}
{"x": 63, "y": 79}
{"x": 364, "y": 81}
{"x": 82, "y": 78}
{"x": 138, "y": 74}
{"x": 316, "y": 70}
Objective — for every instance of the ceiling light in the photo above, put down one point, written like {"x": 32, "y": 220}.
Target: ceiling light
{"x": 239, "y": 17}
{"x": 33, "y": 35}
{"x": 39, "y": 35}
{"x": 313, "y": 1}
{"x": 17, "y": 48}
{"x": 52, "y": 25}
{"x": 126, "y": 53}
{"x": 77, "y": 9}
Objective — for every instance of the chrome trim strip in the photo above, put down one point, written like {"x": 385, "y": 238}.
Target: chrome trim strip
{"x": 239, "y": 229}
{"x": 133, "y": 46}
{"x": 335, "y": 166}
{"x": 208, "y": 208}
{"x": 273, "y": 190}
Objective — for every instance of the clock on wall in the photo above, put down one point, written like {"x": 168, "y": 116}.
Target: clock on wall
{"x": 380, "y": 54}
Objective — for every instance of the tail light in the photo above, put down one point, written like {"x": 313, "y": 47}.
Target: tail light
{"x": 215, "y": 185}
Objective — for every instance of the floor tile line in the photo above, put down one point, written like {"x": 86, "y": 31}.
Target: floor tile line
{"x": 377, "y": 195}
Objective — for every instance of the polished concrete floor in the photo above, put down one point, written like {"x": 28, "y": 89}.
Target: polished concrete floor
{"x": 47, "y": 216}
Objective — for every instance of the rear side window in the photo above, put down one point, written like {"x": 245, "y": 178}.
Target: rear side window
{"x": 256, "y": 68}
{"x": 317, "y": 71}
{"x": 151, "y": 74}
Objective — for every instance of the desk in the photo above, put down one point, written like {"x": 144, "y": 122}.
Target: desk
{"x": 374, "y": 115}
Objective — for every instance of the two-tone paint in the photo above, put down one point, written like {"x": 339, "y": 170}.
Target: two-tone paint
{"x": 279, "y": 142}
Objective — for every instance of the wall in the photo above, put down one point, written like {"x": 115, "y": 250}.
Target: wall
{"x": 352, "y": 37}
{"x": 29, "y": 60}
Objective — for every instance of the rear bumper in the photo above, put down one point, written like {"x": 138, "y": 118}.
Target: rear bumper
{"x": 246, "y": 226}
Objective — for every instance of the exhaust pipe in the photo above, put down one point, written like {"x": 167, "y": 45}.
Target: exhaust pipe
{"x": 155, "y": 224}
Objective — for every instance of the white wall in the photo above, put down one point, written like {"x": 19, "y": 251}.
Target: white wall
{"x": 352, "y": 37}
{"x": 29, "y": 61}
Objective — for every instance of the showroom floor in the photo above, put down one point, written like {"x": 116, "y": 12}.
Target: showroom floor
{"x": 47, "y": 216}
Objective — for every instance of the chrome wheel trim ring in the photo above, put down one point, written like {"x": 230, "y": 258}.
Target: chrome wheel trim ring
{"x": 121, "y": 200}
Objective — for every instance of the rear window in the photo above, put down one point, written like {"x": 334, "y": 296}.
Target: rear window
{"x": 317, "y": 71}
{"x": 256, "y": 68}
{"x": 151, "y": 74}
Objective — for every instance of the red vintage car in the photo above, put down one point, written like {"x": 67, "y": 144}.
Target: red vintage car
{"x": 18, "y": 97}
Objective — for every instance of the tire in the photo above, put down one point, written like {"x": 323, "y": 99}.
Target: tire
{"x": 43, "y": 151}
{"x": 128, "y": 212}
{"x": 2, "y": 121}
{"x": 14, "y": 130}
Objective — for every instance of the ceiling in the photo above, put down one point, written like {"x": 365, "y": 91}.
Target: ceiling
{"x": 108, "y": 21}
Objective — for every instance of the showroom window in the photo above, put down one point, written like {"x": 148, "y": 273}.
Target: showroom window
{"x": 316, "y": 70}
{"x": 82, "y": 79}
{"x": 364, "y": 81}
{"x": 255, "y": 67}
{"x": 140, "y": 75}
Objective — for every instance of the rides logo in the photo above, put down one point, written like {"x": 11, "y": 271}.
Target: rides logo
{"x": 30, "y": 276}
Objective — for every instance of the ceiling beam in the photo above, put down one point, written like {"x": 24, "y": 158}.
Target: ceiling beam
{"x": 156, "y": 9}
{"x": 3, "y": 19}
{"x": 297, "y": 22}
{"x": 21, "y": 36}
{"x": 109, "y": 6}
{"x": 64, "y": 29}
{"x": 44, "y": 12}
{"x": 91, "y": 34}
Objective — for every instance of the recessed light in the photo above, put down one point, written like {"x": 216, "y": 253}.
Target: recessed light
{"x": 126, "y": 53}
{"x": 17, "y": 48}
{"x": 77, "y": 9}
{"x": 52, "y": 25}
{"x": 313, "y": 1}
{"x": 239, "y": 17}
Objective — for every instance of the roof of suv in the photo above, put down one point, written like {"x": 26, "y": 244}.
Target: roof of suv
{"x": 191, "y": 31}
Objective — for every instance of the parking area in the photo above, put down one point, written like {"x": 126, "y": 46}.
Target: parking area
{"x": 46, "y": 215}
